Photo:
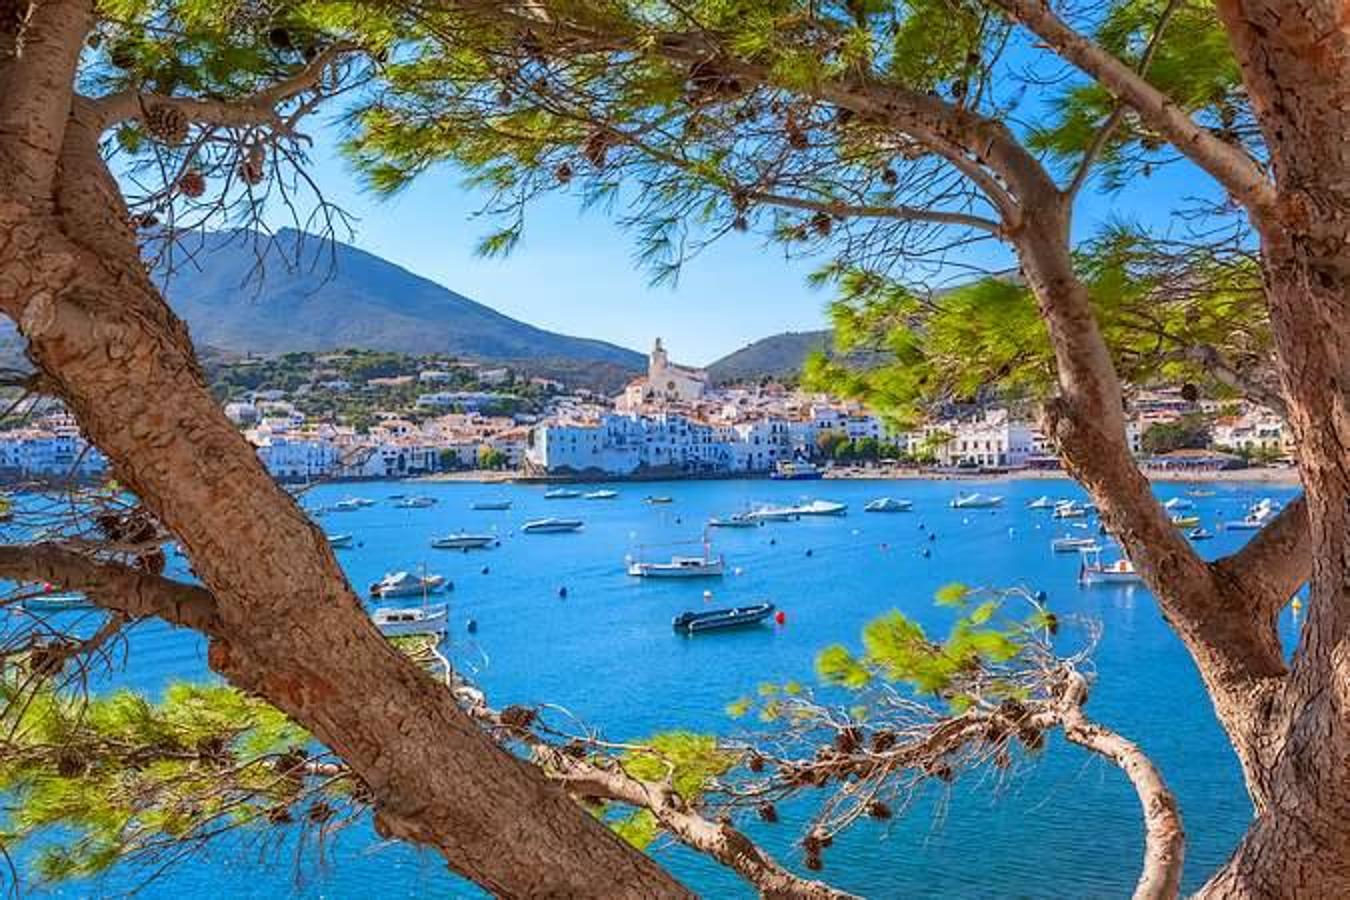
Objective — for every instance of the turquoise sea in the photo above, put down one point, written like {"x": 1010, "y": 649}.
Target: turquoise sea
{"x": 1061, "y": 825}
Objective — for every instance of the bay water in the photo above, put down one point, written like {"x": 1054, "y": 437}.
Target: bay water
{"x": 1060, "y": 824}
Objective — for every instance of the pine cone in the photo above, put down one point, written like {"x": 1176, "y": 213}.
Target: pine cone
{"x": 563, "y": 173}
{"x": 166, "y": 124}
{"x": 192, "y": 184}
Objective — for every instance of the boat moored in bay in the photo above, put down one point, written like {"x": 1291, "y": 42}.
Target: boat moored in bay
{"x": 550, "y": 526}
{"x": 889, "y": 504}
{"x": 463, "y": 541}
{"x": 561, "y": 494}
{"x": 402, "y": 622}
{"x": 406, "y": 584}
{"x": 491, "y": 505}
{"x": 721, "y": 619}
{"x": 975, "y": 501}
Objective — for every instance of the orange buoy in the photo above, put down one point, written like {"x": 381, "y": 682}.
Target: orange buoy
{"x": 780, "y": 617}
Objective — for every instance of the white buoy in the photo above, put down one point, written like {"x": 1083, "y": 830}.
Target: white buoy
{"x": 738, "y": 571}
{"x": 707, "y": 595}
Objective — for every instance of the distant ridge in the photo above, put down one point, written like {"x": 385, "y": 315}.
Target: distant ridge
{"x": 241, "y": 291}
{"x": 776, "y": 356}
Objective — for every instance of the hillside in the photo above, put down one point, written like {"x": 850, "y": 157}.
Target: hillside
{"x": 301, "y": 293}
{"x": 777, "y": 356}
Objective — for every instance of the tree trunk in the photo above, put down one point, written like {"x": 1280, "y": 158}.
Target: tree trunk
{"x": 294, "y": 631}
{"x": 1295, "y": 59}
{"x": 1227, "y": 628}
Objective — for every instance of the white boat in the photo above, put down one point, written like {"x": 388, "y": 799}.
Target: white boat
{"x": 549, "y": 526}
{"x": 1186, "y": 521}
{"x": 820, "y": 508}
{"x": 658, "y": 498}
{"x": 561, "y": 494}
{"x": 491, "y": 504}
{"x": 406, "y": 584}
{"x": 1042, "y": 502}
{"x": 348, "y": 505}
{"x": 705, "y": 566}
{"x": 975, "y": 501}
{"x": 55, "y": 603}
{"x": 773, "y": 514}
{"x": 340, "y": 541}
{"x": 1178, "y": 503}
{"x": 395, "y": 622}
{"x": 736, "y": 520}
{"x": 1094, "y": 571}
{"x": 888, "y": 504}
{"x": 421, "y": 502}
{"x": 1257, "y": 516}
{"x": 1199, "y": 492}
{"x": 1069, "y": 510}
{"x": 601, "y": 494}
{"x": 463, "y": 541}
{"x": 1199, "y": 534}
{"x": 1074, "y": 544}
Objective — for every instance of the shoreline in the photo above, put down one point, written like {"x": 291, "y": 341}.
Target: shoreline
{"x": 1267, "y": 475}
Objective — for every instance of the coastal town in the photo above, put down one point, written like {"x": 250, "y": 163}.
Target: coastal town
{"x": 457, "y": 417}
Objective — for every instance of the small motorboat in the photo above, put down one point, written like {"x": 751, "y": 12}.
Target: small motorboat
{"x": 561, "y": 494}
{"x": 340, "y": 541}
{"x": 1041, "y": 502}
{"x": 1178, "y": 503}
{"x": 704, "y": 566}
{"x": 1186, "y": 521}
{"x": 1068, "y": 544}
{"x": 1199, "y": 534}
{"x": 491, "y": 504}
{"x": 419, "y": 502}
{"x": 602, "y": 494}
{"x": 773, "y": 514}
{"x": 55, "y": 603}
{"x": 658, "y": 499}
{"x": 889, "y": 504}
{"x": 395, "y": 622}
{"x": 975, "y": 501}
{"x": 1199, "y": 492}
{"x": 737, "y": 520}
{"x": 463, "y": 541}
{"x": 1069, "y": 510}
{"x": 820, "y": 508}
{"x": 406, "y": 584}
{"x": 351, "y": 504}
{"x": 720, "y": 619}
{"x": 550, "y": 526}
{"x": 1257, "y": 516}
{"x": 1094, "y": 571}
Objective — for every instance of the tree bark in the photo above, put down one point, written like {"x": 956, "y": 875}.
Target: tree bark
{"x": 291, "y": 628}
{"x": 1295, "y": 60}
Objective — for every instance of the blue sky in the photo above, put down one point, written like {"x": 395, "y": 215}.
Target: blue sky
{"x": 574, "y": 271}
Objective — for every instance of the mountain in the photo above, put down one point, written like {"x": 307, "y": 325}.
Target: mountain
{"x": 777, "y": 356}
{"x": 241, "y": 291}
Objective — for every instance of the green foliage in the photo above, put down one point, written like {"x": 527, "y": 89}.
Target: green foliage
{"x": 1190, "y": 432}
{"x": 896, "y": 649}
{"x": 115, "y": 775}
{"x": 987, "y": 339}
{"x": 1193, "y": 64}
{"x": 691, "y": 762}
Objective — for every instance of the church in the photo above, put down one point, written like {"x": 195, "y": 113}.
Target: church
{"x": 666, "y": 384}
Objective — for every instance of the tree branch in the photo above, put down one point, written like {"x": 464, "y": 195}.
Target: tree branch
{"x": 1232, "y": 168}
{"x": 256, "y": 109}
{"x": 719, "y": 840}
{"x": 35, "y": 96}
{"x": 1164, "y": 837}
{"x": 1103, "y": 135}
{"x": 113, "y": 586}
{"x": 1274, "y": 563}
